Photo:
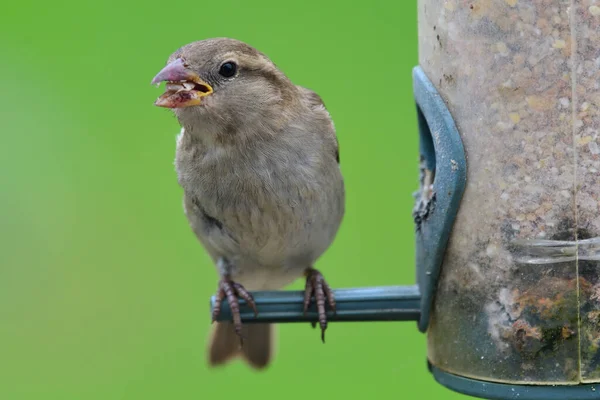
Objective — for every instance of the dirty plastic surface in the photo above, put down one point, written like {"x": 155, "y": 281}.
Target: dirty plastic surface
{"x": 519, "y": 296}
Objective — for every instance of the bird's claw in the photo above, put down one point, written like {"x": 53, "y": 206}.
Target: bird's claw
{"x": 232, "y": 291}
{"x": 317, "y": 286}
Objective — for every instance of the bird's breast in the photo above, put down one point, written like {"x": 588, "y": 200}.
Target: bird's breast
{"x": 273, "y": 207}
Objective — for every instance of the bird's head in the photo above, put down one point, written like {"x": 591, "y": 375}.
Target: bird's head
{"x": 223, "y": 81}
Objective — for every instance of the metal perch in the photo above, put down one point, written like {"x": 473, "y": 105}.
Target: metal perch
{"x": 386, "y": 303}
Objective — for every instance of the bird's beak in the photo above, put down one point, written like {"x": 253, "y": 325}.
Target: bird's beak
{"x": 184, "y": 87}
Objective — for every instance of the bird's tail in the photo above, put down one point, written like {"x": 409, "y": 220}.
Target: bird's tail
{"x": 257, "y": 350}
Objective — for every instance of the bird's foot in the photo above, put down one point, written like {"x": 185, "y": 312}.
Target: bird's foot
{"x": 232, "y": 291}
{"x": 317, "y": 286}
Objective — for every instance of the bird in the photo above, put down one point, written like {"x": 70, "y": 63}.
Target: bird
{"x": 258, "y": 160}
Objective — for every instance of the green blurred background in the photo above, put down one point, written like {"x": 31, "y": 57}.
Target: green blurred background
{"x": 103, "y": 288}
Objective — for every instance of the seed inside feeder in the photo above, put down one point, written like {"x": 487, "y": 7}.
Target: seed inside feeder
{"x": 525, "y": 96}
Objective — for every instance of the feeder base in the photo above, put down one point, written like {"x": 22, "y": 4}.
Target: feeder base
{"x": 502, "y": 391}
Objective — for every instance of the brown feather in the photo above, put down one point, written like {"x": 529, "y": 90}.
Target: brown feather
{"x": 257, "y": 350}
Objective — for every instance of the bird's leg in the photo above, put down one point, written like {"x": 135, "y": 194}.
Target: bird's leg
{"x": 232, "y": 291}
{"x": 317, "y": 286}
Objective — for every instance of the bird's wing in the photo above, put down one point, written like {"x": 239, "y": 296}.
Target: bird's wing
{"x": 315, "y": 102}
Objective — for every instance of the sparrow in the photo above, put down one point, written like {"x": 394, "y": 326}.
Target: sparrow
{"x": 258, "y": 161}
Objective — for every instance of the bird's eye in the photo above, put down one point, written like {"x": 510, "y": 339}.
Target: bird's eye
{"x": 228, "y": 69}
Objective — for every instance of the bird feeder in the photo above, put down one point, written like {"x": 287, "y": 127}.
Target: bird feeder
{"x": 507, "y": 216}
